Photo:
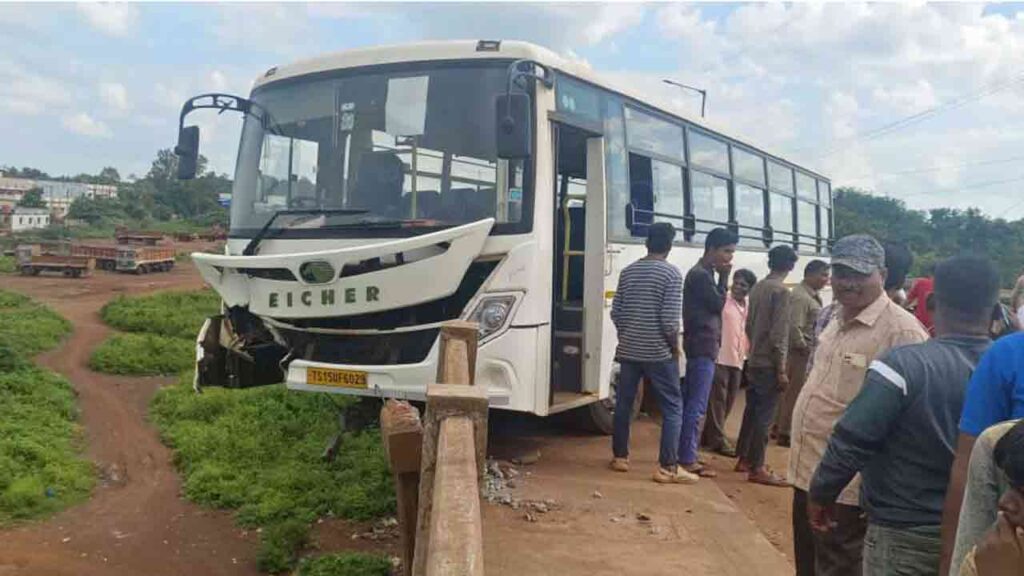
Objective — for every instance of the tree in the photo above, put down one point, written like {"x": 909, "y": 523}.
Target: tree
{"x": 32, "y": 198}
{"x": 25, "y": 172}
{"x": 109, "y": 175}
{"x": 165, "y": 166}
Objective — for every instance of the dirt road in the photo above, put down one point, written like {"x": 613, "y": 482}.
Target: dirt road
{"x": 604, "y": 522}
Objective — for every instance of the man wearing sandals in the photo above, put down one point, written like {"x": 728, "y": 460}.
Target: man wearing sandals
{"x": 866, "y": 325}
{"x": 768, "y": 331}
{"x": 900, "y": 431}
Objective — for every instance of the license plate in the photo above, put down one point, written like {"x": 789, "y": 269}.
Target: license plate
{"x": 335, "y": 377}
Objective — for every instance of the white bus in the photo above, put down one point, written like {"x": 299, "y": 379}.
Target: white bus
{"x": 380, "y": 192}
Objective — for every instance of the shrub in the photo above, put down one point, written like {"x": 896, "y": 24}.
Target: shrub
{"x": 8, "y": 264}
{"x": 345, "y": 564}
{"x": 177, "y": 314}
{"x": 28, "y": 327}
{"x": 41, "y": 470}
{"x": 258, "y": 451}
{"x": 142, "y": 355}
{"x": 280, "y": 544}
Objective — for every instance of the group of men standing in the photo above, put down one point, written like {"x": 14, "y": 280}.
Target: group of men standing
{"x": 866, "y": 396}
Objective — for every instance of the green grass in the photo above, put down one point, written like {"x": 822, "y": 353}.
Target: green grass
{"x": 40, "y": 467}
{"x": 41, "y": 470}
{"x": 27, "y": 327}
{"x": 345, "y": 564}
{"x": 142, "y": 355}
{"x": 177, "y": 314}
{"x": 258, "y": 451}
{"x": 8, "y": 264}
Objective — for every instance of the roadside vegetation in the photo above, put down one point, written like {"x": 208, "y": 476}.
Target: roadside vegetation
{"x": 142, "y": 355}
{"x": 28, "y": 327}
{"x": 173, "y": 314}
{"x": 345, "y": 564}
{"x": 41, "y": 468}
{"x": 258, "y": 452}
{"x": 8, "y": 265}
{"x": 161, "y": 330}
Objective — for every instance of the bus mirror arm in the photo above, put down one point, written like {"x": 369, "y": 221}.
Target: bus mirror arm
{"x": 187, "y": 149}
{"x": 513, "y": 117}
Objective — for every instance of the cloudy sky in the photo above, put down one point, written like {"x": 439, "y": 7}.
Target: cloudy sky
{"x": 923, "y": 102}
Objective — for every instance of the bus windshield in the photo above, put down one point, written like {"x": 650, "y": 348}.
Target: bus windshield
{"x": 375, "y": 152}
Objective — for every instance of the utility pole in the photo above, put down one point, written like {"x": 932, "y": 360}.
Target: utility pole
{"x": 703, "y": 93}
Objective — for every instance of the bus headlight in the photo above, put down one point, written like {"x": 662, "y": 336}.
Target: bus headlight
{"x": 492, "y": 314}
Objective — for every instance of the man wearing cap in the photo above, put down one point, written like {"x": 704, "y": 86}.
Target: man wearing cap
{"x": 866, "y": 325}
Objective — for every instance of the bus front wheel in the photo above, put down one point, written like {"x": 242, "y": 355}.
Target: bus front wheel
{"x": 600, "y": 416}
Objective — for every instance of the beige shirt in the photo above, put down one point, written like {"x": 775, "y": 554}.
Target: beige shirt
{"x": 841, "y": 360}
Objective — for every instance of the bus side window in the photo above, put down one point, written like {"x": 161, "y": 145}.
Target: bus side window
{"x": 641, "y": 193}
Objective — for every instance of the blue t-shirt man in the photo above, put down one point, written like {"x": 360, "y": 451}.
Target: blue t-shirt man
{"x": 995, "y": 392}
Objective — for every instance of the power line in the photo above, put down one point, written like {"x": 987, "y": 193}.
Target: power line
{"x": 967, "y": 187}
{"x": 918, "y": 117}
{"x": 936, "y": 168}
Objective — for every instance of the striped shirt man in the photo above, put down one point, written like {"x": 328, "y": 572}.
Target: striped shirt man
{"x": 647, "y": 310}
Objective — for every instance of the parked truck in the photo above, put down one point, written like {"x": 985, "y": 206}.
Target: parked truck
{"x": 105, "y": 255}
{"x": 144, "y": 259}
{"x": 32, "y": 262}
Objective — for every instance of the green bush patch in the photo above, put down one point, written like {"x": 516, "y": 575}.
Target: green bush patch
{"x": 345, "y": 564}
{"x": 27, "y": 327}
{"x": 258, "y": 451}
{"x": 176, "y": 314}
{"x": 40, "y": 468}
{"x": 7, "y": 264}
{"x": 142, "y": 355}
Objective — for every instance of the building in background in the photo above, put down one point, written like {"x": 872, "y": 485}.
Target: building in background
{"x": 12, "y": 189}
{"x": 57, "y": 194}
{"x": 22, "y": 218}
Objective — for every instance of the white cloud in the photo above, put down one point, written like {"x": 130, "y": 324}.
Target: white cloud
{"x": 611, "y": 19}
{"x": 115, "y": 96}
{"x": 27, "y": 93}
{"x": 907, "y": 98}
{"x": 111, "y": 18}
{"x": 218, "y": 81}
{"x": 279, "y": 28}
{"x": 86, "y": 125}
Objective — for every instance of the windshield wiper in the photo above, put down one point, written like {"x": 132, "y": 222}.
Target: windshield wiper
{"x": 386, "y": 224}
{"x": 250, "y": 248}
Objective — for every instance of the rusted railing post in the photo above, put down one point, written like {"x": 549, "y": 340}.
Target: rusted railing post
{"x": 453, "y": 454}
{"x": 402, "y": 434}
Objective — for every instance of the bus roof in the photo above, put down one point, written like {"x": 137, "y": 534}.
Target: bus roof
{"x": 470, "y": 50}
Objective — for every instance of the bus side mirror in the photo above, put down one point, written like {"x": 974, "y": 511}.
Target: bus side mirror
{"x": 187, "y": 151}
{"x": 514, "y": 128}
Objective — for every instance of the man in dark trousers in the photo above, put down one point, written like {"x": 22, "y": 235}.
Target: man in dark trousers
{"x": 645, "y": 312}
{"x": 805, "y": 306}
{"x": 703, "y": 300}
{"x": 900, "y": 431}
{"x": 768, "y": 331}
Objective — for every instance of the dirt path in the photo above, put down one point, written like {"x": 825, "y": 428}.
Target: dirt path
{"x": 135, "y": 522}
{"x": 596, "y": 527}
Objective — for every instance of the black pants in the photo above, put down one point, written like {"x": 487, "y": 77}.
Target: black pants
{"x": 762, "y": 400}
{"x": 838, "y": 553}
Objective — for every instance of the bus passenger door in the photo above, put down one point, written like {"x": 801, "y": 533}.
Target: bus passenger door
{"x": 578, "y": 310}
